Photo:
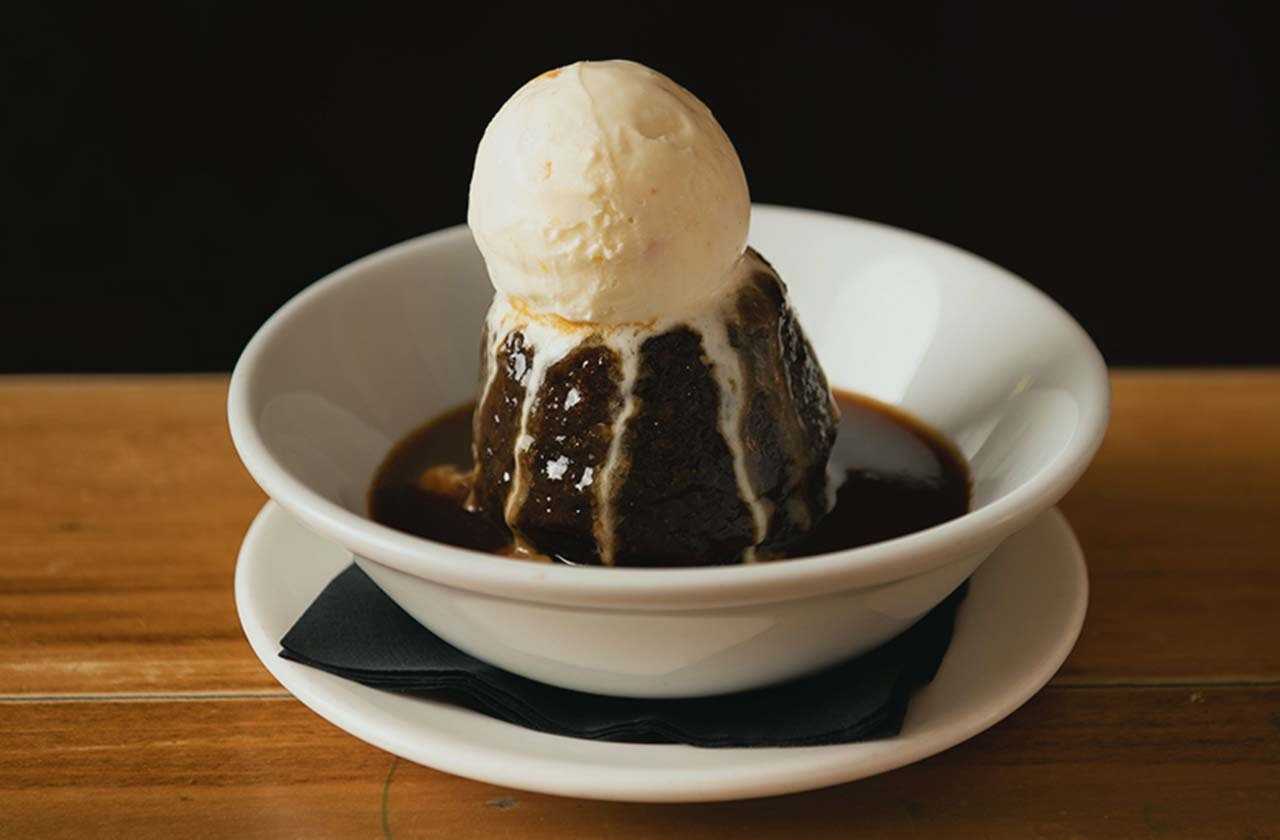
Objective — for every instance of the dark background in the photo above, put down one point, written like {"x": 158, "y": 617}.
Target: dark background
{"x": 169, "y": 176}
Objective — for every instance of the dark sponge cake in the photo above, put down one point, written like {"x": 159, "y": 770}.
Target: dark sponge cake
{"x": 695, "y": 442}
{"x": 678, "y": 502}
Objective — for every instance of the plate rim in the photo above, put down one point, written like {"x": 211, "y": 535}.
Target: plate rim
{"x": 451, "y": 753}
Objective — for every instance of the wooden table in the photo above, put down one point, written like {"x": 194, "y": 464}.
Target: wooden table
{"x": 131, "y": 706}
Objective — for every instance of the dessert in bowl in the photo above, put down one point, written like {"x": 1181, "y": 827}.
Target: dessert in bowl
{"x": 648, "y": 396}
{"x": 362, "y": 358}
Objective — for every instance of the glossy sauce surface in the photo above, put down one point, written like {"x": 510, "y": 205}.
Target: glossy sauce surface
{"x": 898, "y": 477}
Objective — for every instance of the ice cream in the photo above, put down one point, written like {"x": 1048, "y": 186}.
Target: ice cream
{"x": 647, "y": 395}
{"x": 604, "y": 192}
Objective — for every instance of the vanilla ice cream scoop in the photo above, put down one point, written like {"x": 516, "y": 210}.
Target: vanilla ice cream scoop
{"x": 603, "y": 192}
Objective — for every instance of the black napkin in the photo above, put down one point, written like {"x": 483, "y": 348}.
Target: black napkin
{"x": 355, "y": 631}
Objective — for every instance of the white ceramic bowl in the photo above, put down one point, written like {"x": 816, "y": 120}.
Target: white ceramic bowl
{"x": 360, "y": 358}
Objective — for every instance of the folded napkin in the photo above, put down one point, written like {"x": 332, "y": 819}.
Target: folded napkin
{"x": 355, "y": 631}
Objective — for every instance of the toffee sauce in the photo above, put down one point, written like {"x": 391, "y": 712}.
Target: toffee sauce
{"x": 897, "y": 476}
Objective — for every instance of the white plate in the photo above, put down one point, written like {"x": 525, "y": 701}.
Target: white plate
{"x": 1021, "y": 618}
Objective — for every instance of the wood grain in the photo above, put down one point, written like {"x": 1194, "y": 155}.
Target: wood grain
{"x": 123, "y": 506}
{"x": 130, "y": 705}
{"x": 1099, "y": 763}
{"x": 1179, "y": 517}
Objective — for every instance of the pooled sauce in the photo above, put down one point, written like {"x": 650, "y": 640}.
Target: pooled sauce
{"x": 897, "y": 477}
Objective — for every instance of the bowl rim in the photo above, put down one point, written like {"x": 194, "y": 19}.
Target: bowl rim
{"x": 663, "y": 588}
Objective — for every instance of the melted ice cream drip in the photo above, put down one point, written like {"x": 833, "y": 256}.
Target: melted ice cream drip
{"x": 726, "y": 368}
{"x": 548, "y": 345}
{"x": 627, "y": 347}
